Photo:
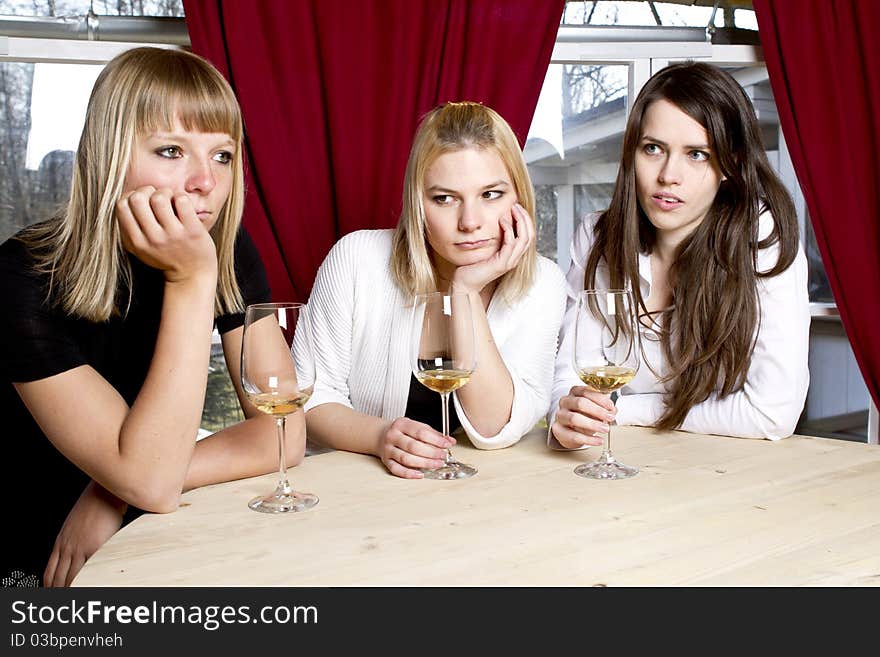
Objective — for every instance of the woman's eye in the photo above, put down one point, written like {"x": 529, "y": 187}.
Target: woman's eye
{"x": 169, "y": 151}
{"x": 442, "y": 199}
{"x": 699, "y": 156}
{"x": 223, "y": 157}
{"x": 651, "y": 149}
{"x": 493, "y": 194}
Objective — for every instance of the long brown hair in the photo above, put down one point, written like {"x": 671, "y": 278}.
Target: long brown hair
{"x": 140, "y": 90}
{"x": 708, "y": 334}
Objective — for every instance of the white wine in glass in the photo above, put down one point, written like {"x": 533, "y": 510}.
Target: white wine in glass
{"x": 278, "y": 377}
{"x": 606, "y": 358}
{"x": 443, "y": 359}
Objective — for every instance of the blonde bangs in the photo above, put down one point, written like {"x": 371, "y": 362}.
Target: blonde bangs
{"x": 199, "y": 102}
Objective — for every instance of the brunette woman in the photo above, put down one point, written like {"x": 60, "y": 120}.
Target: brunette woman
{"x": 705, "y": 235}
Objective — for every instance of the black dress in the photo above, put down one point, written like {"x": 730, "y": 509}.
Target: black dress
{"x": 424, "y": 405}
{"x": 37, "y": 341}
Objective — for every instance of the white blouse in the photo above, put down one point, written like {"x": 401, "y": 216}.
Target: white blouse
{"x": 360, "y": 322}
{"x": 772, "y": 398}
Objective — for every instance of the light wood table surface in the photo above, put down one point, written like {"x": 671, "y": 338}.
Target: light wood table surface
{"x": 704, "y": 510}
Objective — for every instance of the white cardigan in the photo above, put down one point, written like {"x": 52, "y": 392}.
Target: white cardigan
{"x": 360, "y": 322}
{"x": 771, "y": 401}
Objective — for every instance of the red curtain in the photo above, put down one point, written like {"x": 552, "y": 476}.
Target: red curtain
{"x": 331, "y": 93}
{"x": 824, "y": 64}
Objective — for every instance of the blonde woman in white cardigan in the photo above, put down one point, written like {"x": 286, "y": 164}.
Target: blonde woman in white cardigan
{"x": 466, "y": 226}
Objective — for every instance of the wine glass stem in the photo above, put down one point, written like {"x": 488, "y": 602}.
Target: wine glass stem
{"x": 607, "y": 456}
{"x": 445, "y": 398}
{"x": 280, "y": 426}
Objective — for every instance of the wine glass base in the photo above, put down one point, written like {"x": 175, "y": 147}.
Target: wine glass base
{"x": 606, "y": 470}
{"x": 284, "y": 503}
{"x": 452, "y": 470}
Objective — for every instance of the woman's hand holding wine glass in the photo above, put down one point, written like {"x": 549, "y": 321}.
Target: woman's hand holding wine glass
{"x": 606, "y": 358}
{"x": 443, "y": 359}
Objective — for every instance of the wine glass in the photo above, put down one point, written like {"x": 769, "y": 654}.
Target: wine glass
{"x": 443, "y": 358}
{"x": 278, "y": 377}
{"x": 606, "y": 358}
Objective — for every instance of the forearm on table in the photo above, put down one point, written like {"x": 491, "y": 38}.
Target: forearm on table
{"x": 735, "y": 415}
{"x": 341, "y": 427}
{"x": 246, "y": 449}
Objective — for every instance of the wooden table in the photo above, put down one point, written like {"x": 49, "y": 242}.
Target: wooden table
{"x": 704, "y": 510}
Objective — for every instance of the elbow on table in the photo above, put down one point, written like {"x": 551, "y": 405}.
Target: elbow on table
{"x": 500, "y": 441}
{"x": 156, "y": 501}
{"x": 155, "y": 498}
{"x": 775, "y": 426}
{"x": 778, "y": 420}
{"x": 294, "y": 454}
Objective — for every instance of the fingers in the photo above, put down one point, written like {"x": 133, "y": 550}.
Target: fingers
{"x": 133, "y": 237}
{"x": 76, "y": 565}
{"x": 163, "y": 230}
{"x": 410, "y": 447}
{"x": 583, "y": 418}
{"x": 525, "y": 227}
{"x": 60, "y": 576}
{"x": 147, "y": 218}
{"x": 49, "y": 573}
{"x": 519, "y": 233}
{"x": 596, "y": 397}
{"x": 589, "y": 408}
{"x": 571, "y": 439}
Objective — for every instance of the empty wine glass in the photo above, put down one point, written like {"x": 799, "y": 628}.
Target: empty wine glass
{"x": 606, "y": 358}
{"x": 278, "y": 377}
{"x": 443, "y": 358}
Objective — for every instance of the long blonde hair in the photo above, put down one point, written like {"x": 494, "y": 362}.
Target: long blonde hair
{"x": 139, "y": 91}
{"x": 451, "y": 127}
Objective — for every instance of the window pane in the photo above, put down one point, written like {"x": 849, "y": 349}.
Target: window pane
{"x": 101, "y": 7}
{"x": 627, "y": 12}
{"x": 221, "y": 403}
{"x": 42, "y": 109}
{"x": 573, "y": 148}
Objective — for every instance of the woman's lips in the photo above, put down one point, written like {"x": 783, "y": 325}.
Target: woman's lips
{"x": 475, "y": 244}
{"x": 666, "y": 201}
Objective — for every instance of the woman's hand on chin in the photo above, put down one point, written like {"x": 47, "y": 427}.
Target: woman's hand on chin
{"x": 517, "y": 234}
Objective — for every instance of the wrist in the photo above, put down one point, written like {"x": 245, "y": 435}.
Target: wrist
{"x": 461, "y": 287}
{"x": 192, "y": 286}
{"x": 377, "y": 445}
{"x": 109, "y": 498}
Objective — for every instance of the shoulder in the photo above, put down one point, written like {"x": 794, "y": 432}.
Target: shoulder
{"x": 364, "y": 253}
{"x": 18, "y": 278}
{"x": 247, "y": 257}
{"x": 769, "y": 256}
{"x": 548, "y": 275}
{"x": 14, "y": 252}
{"x": 364, "y": 244}
{"x": 765, "y": 224}
{"x": 250, "y": 273}
{"x": 585, "y": 234}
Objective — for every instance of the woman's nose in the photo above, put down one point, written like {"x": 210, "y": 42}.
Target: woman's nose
{"x": 470, "y": 218}
{"x": 670, "y": 173}
{"x": 200, "y": 177}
